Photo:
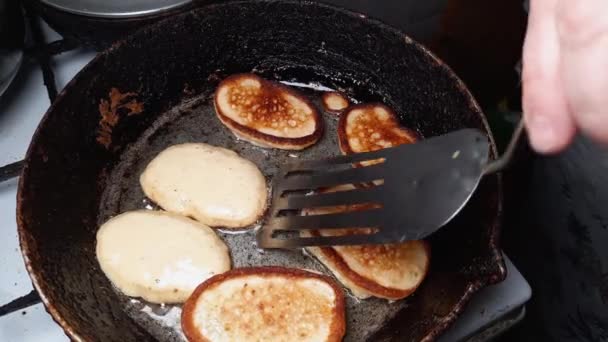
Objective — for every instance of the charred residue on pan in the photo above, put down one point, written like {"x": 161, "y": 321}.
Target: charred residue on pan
{"x": 110, "y": 111}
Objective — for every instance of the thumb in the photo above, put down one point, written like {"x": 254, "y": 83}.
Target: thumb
{"x": 548, "y": 121}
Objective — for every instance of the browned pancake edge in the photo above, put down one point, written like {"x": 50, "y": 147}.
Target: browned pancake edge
{"x": 266, "y": 140}
{"x": 343, "y": 137}
{"x": 374, "y": 289}
{"x": 337, "y": 327}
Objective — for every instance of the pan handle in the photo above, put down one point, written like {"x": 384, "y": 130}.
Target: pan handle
{"x": 505, "y": 159}
{"x": 11, "y": 170}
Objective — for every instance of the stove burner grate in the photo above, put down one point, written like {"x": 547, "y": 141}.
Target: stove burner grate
{"x": 42, "y": 53}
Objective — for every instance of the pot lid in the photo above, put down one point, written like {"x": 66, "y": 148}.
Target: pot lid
{"x": 115, "y": 8}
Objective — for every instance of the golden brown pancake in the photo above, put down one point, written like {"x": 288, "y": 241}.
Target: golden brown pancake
{"x": 159, "y": 256}
{"x": 391, "y": 271}
{"x": 335, "y": 102}
{"x": 211, "y": 184}
{"x": 371, "y": 127}
{"x": 265, "y": 304}
{"x": 267, "y": 113}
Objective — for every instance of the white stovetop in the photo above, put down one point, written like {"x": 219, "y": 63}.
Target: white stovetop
{"x": 20, "y": 111}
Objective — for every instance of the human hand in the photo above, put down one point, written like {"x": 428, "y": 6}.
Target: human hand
{"x": 565, "y": 72}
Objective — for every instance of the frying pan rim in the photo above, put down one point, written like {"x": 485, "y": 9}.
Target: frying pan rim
{"x": 472, "y": 287}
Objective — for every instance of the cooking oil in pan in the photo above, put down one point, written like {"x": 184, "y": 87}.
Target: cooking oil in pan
{"x": 195, "y": 121}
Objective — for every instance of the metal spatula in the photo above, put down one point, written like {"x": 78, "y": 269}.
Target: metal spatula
{"x": 419, "y": 188}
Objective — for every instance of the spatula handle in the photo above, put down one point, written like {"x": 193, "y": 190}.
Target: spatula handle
{"x": 506, "y": 157}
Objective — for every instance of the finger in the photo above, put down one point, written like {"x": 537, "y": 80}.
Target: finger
{"x": 548, "y": 121}
{"x": 583, "y": 33}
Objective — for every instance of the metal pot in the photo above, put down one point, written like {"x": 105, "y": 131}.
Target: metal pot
{"x": 12, "y": 35}
{"x": 99, "y": 23}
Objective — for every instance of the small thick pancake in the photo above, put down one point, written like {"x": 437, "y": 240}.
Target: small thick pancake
{"x": 211, "y": 184}
{"x": 265, "y": 304}
{"x": 391, "y": 271}
{"x": 266, "y": 113}
{"x": 159, "y": 256}
{"x": 371, "y": 127}
{"x": 335, "y": 102}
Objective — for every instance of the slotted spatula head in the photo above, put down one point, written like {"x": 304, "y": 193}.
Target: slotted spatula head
{"x": 410, "y": 190}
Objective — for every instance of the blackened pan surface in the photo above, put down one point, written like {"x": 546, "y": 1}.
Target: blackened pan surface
{"x": 154, "y": 89}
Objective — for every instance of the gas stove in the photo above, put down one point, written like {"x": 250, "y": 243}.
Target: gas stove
{"x": 50, "y": 63}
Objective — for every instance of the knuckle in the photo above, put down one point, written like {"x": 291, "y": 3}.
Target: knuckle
{"x": 578, "y": 23}
{"x": 533, "y": 78}
{"x": 531, "y": 97}
{"x": 530, "y": 75}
